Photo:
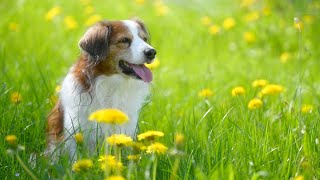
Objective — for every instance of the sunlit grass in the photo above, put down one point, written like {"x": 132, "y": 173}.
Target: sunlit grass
{"x": 206, "y": 49}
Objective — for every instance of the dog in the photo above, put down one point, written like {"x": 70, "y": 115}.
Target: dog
{"x": 109, "y": 73}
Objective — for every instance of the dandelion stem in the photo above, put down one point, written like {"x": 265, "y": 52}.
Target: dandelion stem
{"x": 155, "y": 162}
{"x": 26, "y": 168}
{"x": 175, "y": 168}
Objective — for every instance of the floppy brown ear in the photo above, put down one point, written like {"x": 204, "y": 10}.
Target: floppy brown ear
{"x": 95, "y": 41}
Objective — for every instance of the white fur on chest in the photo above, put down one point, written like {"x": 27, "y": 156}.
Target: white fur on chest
{"x": 114, "y": 91}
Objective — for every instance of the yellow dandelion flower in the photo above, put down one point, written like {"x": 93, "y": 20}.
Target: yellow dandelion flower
{"x": 82, "y": 165}
{"x": 58, "y": 88}
{"x": 284, "y": 57}
{"x": 237, "y": 91}
{"x": 140, "y": 2}
{"x": 179, "y": 139}
{"x": 205, "y": 20}
{"x": 93, "y": 19}
{"x": 78, "y": 138}
{"x": 110, "y": 163}
{"x": 254, "y": 104}
{"x": 156, "y": 148}
{"x": 161, "y": 8}
{"x": 52, "y": 13}
{"x": 85, "y": 2}
{"x": 138, "y": 146}
{"x": 308, "y": 19}
{"x": 259, "y": 83}
{"x": 119, "y": 140}
{"x": 134, "y": 157}
{"x": 247, "y": 3}
{"x": 16, "y": 97}
{"x": 88, "y": 9}
{"x": 155, "y": 64}
{"x": 297, "y": 24}
{"x": 272, "y": 89}
{"x": 252, "y": 16}
{"x": 110, "y": 116}
{"x": 70, "y": 23}
{"x": 115, "y": 178}
{"x": 150, "y": 135}
{"x": 214, "y": 29}
{"x": 13, "y": 26}
{"x": 300, "y": 177}
{"x": 266, "y": 11}
{"x": 11, "y": 140}
{"x": 229, "y": 23}
{"x": 306, "y": 108}
{"x": 205, "y": 93}
{"x": 249, "y": 37}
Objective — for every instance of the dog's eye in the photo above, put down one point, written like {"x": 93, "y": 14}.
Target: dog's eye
{"x": 145, "y": 39}
{"x": 125, "y": 41}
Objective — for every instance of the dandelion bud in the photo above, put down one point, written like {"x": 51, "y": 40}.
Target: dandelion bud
{"x": 79, "y": 138}
{"x": 11, "y": 140}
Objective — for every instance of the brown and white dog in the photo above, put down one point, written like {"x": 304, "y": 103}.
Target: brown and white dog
{"x": 110, "y": 73}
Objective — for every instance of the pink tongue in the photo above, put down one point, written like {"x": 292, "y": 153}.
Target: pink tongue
{"x": 143, "y": 72}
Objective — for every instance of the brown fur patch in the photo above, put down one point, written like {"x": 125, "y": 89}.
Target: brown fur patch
{"x": 55, "y": 124}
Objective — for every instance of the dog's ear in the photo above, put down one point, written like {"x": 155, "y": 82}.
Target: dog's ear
{"x": 95, "y": 41}
{"x": 141, "y": 24}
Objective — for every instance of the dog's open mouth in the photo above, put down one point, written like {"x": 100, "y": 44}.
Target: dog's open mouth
{"x": 139, "y": 71}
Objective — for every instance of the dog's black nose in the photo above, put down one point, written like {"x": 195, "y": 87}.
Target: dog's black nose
{"x": 150, "y": 53}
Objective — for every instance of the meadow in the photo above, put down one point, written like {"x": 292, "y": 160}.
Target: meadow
{"x": 236, "y": 89}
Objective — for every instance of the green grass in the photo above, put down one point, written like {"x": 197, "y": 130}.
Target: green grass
{"x": 276, "y": 141}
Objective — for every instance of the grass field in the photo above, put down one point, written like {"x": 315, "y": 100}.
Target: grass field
{"x": 205, "y": 50}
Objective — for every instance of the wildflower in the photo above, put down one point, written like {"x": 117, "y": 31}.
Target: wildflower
{"x": 140, "y": 2}
{"x": 13, "y": 26}
{"x": 11, "y": 140}
{"x": 157, "y": 148}
{"x": 115, "y": 178}
{"x": 205, "y": 20}
{"x": 284, "y": 57}
{"x": 154, "y": 64}
{"x": 205, "y": 93}
{"x": 214, "y": 29}
{"x": 254, "y": 104}
{"x": 16, "y": 97}
{"x": 110, "y": 162}
{"x": 259, "y": 83}
{"x": 92, "y": 19}
{"x": 58, "y": 88}
{"x": 78, "y": 138}
{"x": 247, "y": 3}
{"x": 228, "y": 23}
{"x": 138, "y": 146}
{"x": 252, "y": 16}
{"x": 266, "y": 11}
{"x": 134, "y": 157}
{"x": 52, "y": 13}
{"x": 297, "y": 24}
{"x": 82, "y": 165}
{"x": 70, "y": 23}
{"x": 119, "y": 140}
{"x": 308, "y": 19}
{"x": 161, "y": 8}
{"x": 179, "y": 139}
{"x": 150, "y": 135}
{"x": 249, "y": 37}
{"x": 239, "y": 90}
{"x": 88, "y": 10}
{"x": 272, "y": 89}
{"x": 306, "y": 108}
{"x": 300, "y": 177}
{"x": 111, "y": 116}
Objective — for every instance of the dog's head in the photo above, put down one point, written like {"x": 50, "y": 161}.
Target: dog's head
{"x": 119, "y": 47}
